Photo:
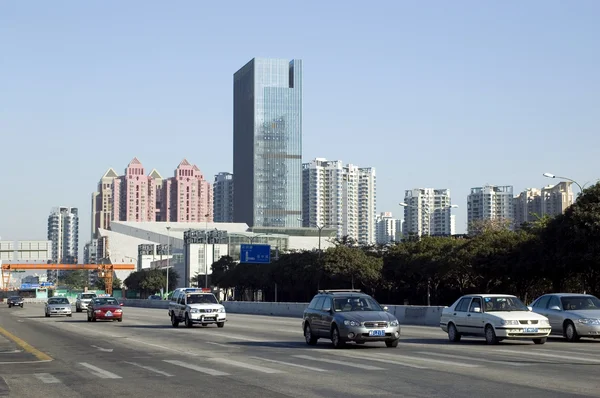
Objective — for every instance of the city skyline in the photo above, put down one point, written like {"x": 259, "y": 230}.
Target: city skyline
{"x": 507, "y": 87}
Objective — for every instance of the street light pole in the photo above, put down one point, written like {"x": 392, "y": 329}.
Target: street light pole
{"x": 550, "y": 175}
{"x": 168, "y": 257}
{"x": 206, "y": 250}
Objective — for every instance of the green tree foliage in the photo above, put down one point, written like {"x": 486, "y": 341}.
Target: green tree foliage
{"x": 76, "y": 279}
{"x": 101, "y": 285}
{"x": 150, "y": 281}
{"x": 549, "y": 254}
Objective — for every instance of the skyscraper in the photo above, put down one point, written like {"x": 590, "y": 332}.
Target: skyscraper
{"x": 223, "y": 197}
{"x": 428, "y": 212}
{"x": 267, "y": 143}
{"x": 490, "y": 202}
{"x": 63, "y": 231}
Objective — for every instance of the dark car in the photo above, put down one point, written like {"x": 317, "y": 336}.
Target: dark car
{"x": 349, "y": 316}
{"x": 15, "y": 301}
{"x": 106, "y": 308}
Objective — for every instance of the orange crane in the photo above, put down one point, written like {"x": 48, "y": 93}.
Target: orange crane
{"x": 105, "y": 271}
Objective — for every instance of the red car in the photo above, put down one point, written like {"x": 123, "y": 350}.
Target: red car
{"x": 107, "y": 308}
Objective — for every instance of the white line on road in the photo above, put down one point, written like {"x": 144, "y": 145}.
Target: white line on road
{"x": 151, "y": 369}
{"x": 103, "y": 374}
{"x": 431, "y": 360}
{"x": 47, "y": 378}
{"x": 353, "y": 365}
{"x": 291, "y": 364}
{"x": 11, "y": 352}
{"x": 437, "y": 354}
{"x": 246, "y": 365}
{"x": 211, "y": 372}
{"x": 370, "y": 358}
{"x": 103, "y": 349}
{"x": 221, "y": 345}
{"x": 540, "y": 354}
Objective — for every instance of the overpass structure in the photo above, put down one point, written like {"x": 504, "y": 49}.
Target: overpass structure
{"x": 105, "y": 271}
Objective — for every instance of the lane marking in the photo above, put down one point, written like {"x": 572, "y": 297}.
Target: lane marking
{"x": 151, "y": 369}
{"x": 25, "y": 346}
{"x": 246, "y": 365}
{"x": 103, "y": 349}
{"x": 22, "y": 362}
{"x": 541, "y": 354}
{"x": 437, "y": 354}
{"x": 103, "y": 374}
{"x": 11, "y": 352}
{"x": 208, "y": 371}
{"x": 291, "y": 364}
{"x": 47, "y": 378}
{"x": 222, "y": 345}
{"x": 431, "y": 360}
{"x": 370, "y": 358}
{"x": 353, "y": 365}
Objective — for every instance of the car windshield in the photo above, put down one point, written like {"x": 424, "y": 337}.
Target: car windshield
{"x": 508, "y": 303}
{"x": 348, "y": 304}
{"x": 15, "y": 298}
{"x": 201, "y": 299}
{"x": 578, "y": 303}
{"x": 106, "y": 301}
{"x": 88, "y": 296}
{"x": 60, "y": 300}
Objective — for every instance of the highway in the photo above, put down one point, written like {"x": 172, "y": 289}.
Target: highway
{"x": 258, "y": 356}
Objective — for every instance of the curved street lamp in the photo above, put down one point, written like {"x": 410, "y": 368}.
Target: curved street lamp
{"x": 550, "y": 175}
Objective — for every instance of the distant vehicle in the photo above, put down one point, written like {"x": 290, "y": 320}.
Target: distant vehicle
{"x": 58, "y": 306}
{"x": 15, "y": 301}
{"x": 106, "y": 308}
{"x": 495, "y": 316}
{"x": 83, "y": 300}
{"x": 154, "y": 297}
{"x": 349, "y": 316}
{"x": 196, "y": 306}
{"x": 571, "y": 315}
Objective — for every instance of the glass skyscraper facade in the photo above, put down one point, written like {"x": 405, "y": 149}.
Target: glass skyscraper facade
{"x": 267, "y": 143}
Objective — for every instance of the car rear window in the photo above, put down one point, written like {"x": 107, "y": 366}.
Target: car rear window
{"x": 88, "y": 296}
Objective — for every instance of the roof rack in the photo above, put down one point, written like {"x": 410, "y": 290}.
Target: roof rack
{"x": 340, "y": 291}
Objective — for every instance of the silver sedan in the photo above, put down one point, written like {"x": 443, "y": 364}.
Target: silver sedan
{"x": 571, "y": 315}
{"x": 58, "y": 306}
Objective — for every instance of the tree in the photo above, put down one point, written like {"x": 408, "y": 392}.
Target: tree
{"x": 150, "y": 281}
{"x": 481, "y": 226}
{"x": 101, "y": 285}
{"x": 352, "y": 266}
{"x": 76, "y": 279}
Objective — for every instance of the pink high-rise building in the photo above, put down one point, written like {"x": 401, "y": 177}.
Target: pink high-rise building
{"x": 136, "y": 196}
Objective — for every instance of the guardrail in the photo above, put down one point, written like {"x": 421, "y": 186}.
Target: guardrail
{"x": 406, "y": 314}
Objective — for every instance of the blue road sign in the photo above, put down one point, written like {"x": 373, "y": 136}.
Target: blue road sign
{"x": 258, "y": 254}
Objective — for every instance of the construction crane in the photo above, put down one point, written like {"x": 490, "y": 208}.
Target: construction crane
{"x": 105, "y": 271}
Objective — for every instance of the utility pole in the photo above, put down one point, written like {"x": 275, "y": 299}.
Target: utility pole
{"x": 168, "y": 257}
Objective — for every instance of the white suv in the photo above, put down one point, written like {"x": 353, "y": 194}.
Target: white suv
{"x": 83, "y": 300}
{"x": 193, "y": 305}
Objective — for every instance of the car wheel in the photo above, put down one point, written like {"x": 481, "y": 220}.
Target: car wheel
{"x": 453, "y": 334}
{"x": 174, "y": 321}
{"x": 10, "y": 305}
{"x": 47, "y": 315}
{"x": 392, "y": 343}
{"x": 69, "y": 315}
{"x": 308, "y": 336}
{"x": 93, "y": 318}
{"x": 540, "y": 340}
{"x": 89, "y": 318}
{"x": 570, "y": 332}
{"x": 359, "y": 342}
{"x": 335, "y": 338}
{"x": 21, "y": 305}
{"x": 120, "y": 319}
{"x": 77, "y": 309}
{"x": 490, "y": 335}
{"x": 188, "y": 321}
{"x": 220, "y": 324}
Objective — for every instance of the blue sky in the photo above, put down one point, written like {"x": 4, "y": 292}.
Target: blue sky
{"x": 432, "y": 94}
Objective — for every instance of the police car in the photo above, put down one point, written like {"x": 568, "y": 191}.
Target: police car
{"x": 196, "y": 306}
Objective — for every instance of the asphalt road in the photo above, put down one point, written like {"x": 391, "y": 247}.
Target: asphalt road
{"x": 256, "y": 356}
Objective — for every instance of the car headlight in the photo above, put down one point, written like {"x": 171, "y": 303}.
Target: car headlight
{"x": 222, "y": 309}
{"x": 589, "y": 321}
{"x": 394, "y": 323}
{"x": 509, "y": 322}
{"x": 194, "y": 310}
{"x": 545, "y": 322}
{"x": 351, "y": 323}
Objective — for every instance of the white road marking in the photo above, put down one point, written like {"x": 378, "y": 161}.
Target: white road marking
{"x": 211, "y": 372}
{"x": 437, "y": 354}
{"x": 11, "y": 352}
{"x": 47, "y": 378}
{"x": 353, "y": 365}
{"x": 221, "y": 345}
{"x": 431, "y": 360}
{"x": 103, "y": 349}
{"x": 541, "y": 354}
{"x": 246, "y": 365}
{"x": 103, "y": 374}
{"x": 291, "y": 364}
{"x": 370, "y": 358}
{"x": 151, "y": 369}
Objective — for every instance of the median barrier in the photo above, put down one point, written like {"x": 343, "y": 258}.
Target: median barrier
{"x": 406, "y": 314}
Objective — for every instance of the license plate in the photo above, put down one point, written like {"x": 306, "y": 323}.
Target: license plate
{"x": 531, "y": 330}
{"x": 109, "y": 313}
{"x": 376, "y": 332}
{"x": 209, "y": 319}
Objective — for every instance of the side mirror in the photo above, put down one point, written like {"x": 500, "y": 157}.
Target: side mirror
{"x": 121, "y": 304}
{"x": 327, "y": 309}
{"x": 476, "y": 309}
{"x": 385, "y": 309}
{"x": 554, "y": 308}
{"x": 530, "y": 308}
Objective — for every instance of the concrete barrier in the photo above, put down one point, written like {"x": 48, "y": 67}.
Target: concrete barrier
{"x": 406, "y": 314}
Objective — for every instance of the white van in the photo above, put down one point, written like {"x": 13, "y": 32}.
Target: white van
{"x": 83, "y": 300}
{"x": 196, "y": 305}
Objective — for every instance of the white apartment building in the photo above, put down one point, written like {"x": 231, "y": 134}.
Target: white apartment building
{"x": 102, "y": 202}
{"x": 340, "y": 197}
{"x": 490, "y": 202}
{"x": 63, "y": 231}
{"x": 387, "y": 228}
{"x": 548, "y": 201}
{"x": 223, "y": 197}
{"x": 427, "y": 212}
